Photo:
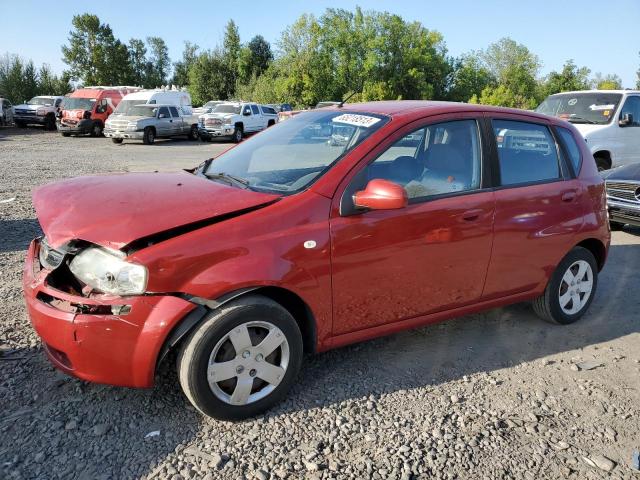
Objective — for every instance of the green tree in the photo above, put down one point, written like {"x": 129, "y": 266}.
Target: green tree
{"x": 158, "y": 63}
{"x": 503, "y": 96}
{"x": 469, "y": 77}
{"x": 137, "y": 61}
{"x": 94, "y": 55}
{"x": 11, "y": 78}
{"x": 30, "y": 80}
{"x": 254, "y": 58}
{"x": 569, "y": 79}
{"x": 207, "y": 78}
{"x": 606, "y": 82}
{"x": 181, "y": 68}
{"x": 230, "y": 56}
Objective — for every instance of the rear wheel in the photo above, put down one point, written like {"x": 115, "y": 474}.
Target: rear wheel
{"x": 116, "y": 140}
{"x": 242, "y": 359}
{"x": 149, "y": 136}
{"x": 571, "y": 288}
{"x": 193, "y": 133}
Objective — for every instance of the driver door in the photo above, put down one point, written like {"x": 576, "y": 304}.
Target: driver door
{"x": 165, "y": 122}
{"x": 430, "y": 256}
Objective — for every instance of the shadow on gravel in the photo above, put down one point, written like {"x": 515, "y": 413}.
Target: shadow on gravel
{"x": 433, "y": 355}
{"x": 15, "y": 235}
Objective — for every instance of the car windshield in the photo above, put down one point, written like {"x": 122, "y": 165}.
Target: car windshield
{"x": 211, "y": 104}
{"x": 70, "y": 103}
{"x": 289, "y": 156}
{"x": 142, "y": 111}
{"x": 41, "y": 101}
{"x": 227, "y": 108}
{"x": 125, "y": 107}
{"x": 597, "y": 108}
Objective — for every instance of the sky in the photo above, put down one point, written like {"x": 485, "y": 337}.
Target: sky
{"x": 596, "y": 34}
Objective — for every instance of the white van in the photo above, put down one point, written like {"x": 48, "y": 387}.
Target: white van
{"x": 609, "y": 121}
{"x": 165, "y": 97}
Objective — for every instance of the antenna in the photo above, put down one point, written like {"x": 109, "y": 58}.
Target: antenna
{"x": 341, "y": 104}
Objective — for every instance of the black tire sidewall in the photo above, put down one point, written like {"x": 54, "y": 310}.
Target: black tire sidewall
{"x": 149, "y": 136}
{"x": 204, "y": 398}
{"x": 193, "y": 133}
{"x": 553, "y": 289}
{"x": 237, "y": 135}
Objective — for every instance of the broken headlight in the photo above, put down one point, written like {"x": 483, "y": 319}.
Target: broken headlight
{"x": 50, "y": 258}
{"x": 107, "y": 271}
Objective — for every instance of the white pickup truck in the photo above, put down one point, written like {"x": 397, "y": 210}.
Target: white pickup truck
{"x": 235, "y": 120}
{"x": 609, "y": 121}
{"x": 41, "y": 110}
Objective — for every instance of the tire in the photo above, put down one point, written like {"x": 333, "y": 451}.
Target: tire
{"x": 549, "y": 306}
{"x": 65, "y": 134}
{"x": 615, "y": 226}
{"x": 96, "y": 129}
{"x": 602, "y": 164}
{"x": 20, "y": 124}
{"x": 251, "y": 320}
{"x": 149, "y": 136}
{"x": 193, "y": 133}
{"x": 50, "y": 122}
{"x": 117, "y": 140}
{"x": 204, "y": 139}
{"x": 238, "y": 133}
{"x": 271, "y": 123}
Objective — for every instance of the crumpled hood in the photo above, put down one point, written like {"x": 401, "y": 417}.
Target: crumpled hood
{"x": 114, "y": 210}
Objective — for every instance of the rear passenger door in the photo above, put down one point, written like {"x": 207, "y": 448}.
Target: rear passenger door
{"x": 538, "y": 212}
{"x": 256, "y": 119}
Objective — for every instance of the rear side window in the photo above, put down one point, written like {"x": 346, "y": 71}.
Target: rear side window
{"x": 572, "y": 148}
{"x": 174, "y": 112}
{"x": 526, "y": 152}
{"x": 268, "y": 110}
{"x": 254, "y": 109}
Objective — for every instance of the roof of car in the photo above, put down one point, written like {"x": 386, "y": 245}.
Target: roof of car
{"x": 578, "y": 92}
{"x": 430, "y": 107}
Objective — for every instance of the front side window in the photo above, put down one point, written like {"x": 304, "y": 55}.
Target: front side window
{"x": 631, "y": 106}
{"x": 527, "y": 152}
{"x": 254, "y": 109}
{"x": 289, "y": 156}
{"x": 438, "y": 159}
{"x": 163, "y": 113}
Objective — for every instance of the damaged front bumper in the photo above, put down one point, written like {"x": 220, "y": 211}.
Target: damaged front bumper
{"x": 101, "y": 338}
{"x": 130, "y": 134}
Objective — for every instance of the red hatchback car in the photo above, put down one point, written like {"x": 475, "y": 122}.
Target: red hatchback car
{"x": 337, "y": 226}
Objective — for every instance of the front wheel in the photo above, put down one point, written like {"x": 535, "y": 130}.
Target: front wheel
{"x": 20, "y": 124}
{"x": 237, "y": 134}
{"x": 570, "y": 290}
{"x": 96, "y": 130}
{"x": 116, "y": 140}
{"x": 148, "y": 136}
{"x": 242, "y": 359}
{"x": 50, "y": 122}
{"x": 616, "y": 226}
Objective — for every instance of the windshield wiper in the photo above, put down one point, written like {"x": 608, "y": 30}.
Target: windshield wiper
{"x": 230, "y": 179}
{"x": 581, "y": 120}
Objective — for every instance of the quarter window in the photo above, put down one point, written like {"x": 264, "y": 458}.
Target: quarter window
{"x": 572, "y": 148}
{"x": 527, "y": 152}
{"x": 438, "y": 159}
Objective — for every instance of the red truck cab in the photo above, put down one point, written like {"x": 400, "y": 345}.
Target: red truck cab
{"x": 85, "y": 110}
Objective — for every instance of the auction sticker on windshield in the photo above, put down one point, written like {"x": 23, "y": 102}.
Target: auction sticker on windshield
{"x": 356, "y": 120}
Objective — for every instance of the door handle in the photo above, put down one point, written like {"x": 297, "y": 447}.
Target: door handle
{"x": 472, "y": 215}
{"x": 568, "y": 196}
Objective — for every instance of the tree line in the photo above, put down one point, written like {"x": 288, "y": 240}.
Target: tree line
{"x": 376, "y": 55}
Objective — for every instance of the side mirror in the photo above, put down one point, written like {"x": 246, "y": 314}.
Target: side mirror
{"x": 246, "y": 113}
{"x": 163, "y": 115}
{"x": 381, "y": 194}
{"x": 626, "y": 120}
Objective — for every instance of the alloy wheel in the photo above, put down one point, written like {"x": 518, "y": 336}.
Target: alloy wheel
{"x": 576, "y": 287}
{"x": 248, "y": 363}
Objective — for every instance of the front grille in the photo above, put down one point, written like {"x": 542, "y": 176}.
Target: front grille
{"x": 626, "y": 191}
{"x": 213, "y": 122}
{"x": 26, "y": 112}
{"x": 118, "y": 124}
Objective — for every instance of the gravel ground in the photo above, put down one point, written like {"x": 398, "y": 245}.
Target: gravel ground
{"x": 496, "y": 395}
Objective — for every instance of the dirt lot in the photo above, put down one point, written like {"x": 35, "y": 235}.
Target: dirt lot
{"x": 496, "y": 395}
